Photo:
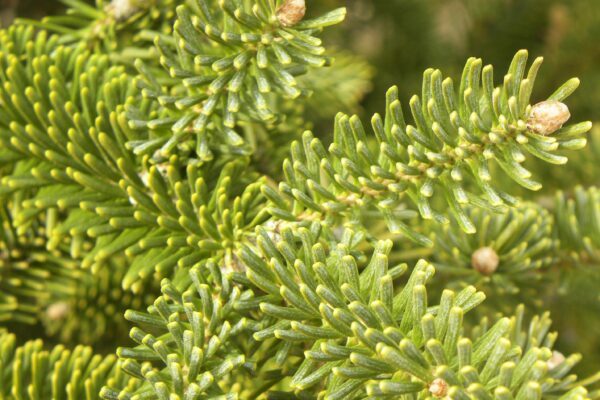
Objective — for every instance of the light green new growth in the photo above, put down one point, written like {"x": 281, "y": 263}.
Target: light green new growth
{"x": 227, "y": 67}
{"x": 364, "y": 338}
{"x": 445, "y": 155}
{"x": 32, "y": 372}
{"x": 109, "y": 24}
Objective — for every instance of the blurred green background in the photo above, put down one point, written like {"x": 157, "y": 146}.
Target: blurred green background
{"x": 401, "y": 38}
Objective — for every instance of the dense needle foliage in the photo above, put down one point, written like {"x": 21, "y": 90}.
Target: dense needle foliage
{"x": 191, "y": 210}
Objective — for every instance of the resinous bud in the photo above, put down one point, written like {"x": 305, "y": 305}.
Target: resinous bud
{"x": 438, "y": 388}
{"x": 547, "y": 117}
{"x": 122, "y": 9}
{"x": 557, "y": 359}
{"x": 485, "y": 260}
{"x": 291, "y": 12}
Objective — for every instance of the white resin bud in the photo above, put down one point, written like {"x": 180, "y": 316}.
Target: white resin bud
{"x": 123, "y": 9}
{"x": 485, "y": 260}
{"x": 438, "y": 388}
{"x": 291, "y": 12}
{"x": 58, "y": 311}
{"x": 556, "y": 359}
{"x": 547, "y": 117}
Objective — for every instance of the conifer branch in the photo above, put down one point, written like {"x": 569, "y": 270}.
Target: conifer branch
{"x": 193, "y": 344}
{"x": 515, "y": 252}
{"x": 30, "y": 274}
{"x": 32, "y": 372}
{"x": 364, "y": 338}
{"x": 107, "y": 24}
{"x": 174, "y": 216}
{"x": 228, "y": 66}
{"x": 113, "y": 180}
{"x": 578, "y": 224}
{"x": 444, "y": 158}
{"x": 364, "y": 335}
{"x": 509, "y": 255}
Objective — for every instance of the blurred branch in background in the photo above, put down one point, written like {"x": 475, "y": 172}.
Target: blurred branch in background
{"x": 8, "y": 11}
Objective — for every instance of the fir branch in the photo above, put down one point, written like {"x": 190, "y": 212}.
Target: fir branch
{"x": 109, "y": 26}
{"x": 228, "y": 66}
{"x": 366, "y": 338}
{"x": 444, "y": 158}
{"x": 578, "y": 224}
{"x": 508, "y": 257}
{"x": 192, "y": 344}
{"x": 31, "y": 372}
{"x": 515, "y": 252}
{"x": 30, "y": 274}
{"x": 267, "y": 293}
{"x": 174, "y": 217}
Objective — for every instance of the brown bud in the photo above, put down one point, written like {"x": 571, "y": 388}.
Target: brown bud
{"x": 291, "y": 12}
{"x": 485, "y": 260}
{"x": 556, "y": 359}
{"x": 57, "y": 311}
{"x": 547, "y": 117}
{"x": 438, "y": 388}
